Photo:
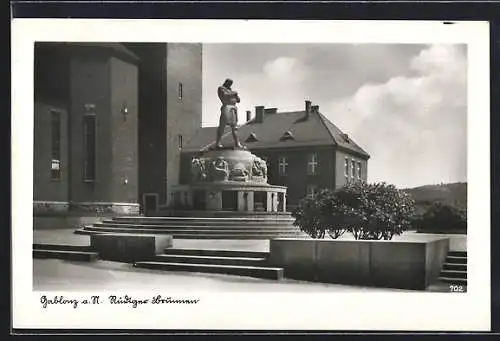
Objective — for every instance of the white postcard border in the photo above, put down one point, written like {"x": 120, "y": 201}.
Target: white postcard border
{"x": 323, "y": 311}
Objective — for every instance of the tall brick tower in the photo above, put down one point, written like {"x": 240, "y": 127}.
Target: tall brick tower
{"x": 110, "y": 120}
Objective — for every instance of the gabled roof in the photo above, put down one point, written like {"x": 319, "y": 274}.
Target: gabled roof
{"x": 202, "y": 138}
{"x": 315, "y": 131}
{"x": 341, "y": 139}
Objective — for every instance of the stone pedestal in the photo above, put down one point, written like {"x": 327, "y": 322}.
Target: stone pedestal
{"x": 230, "y": 180}
{"x": 214, "y": 200}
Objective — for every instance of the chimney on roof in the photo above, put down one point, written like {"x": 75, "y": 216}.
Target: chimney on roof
{"x": 308, "y": 109}
{"x": 249, "y": 115}
{"x": 315, "y": 109}
{"x": 259, "y": 114}
{"x": 269, "y": 111}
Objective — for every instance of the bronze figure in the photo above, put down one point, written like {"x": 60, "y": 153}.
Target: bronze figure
{"x": 228, "y": 113}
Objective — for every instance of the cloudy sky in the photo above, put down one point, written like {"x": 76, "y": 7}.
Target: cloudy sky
{"x": 406, "y": 105}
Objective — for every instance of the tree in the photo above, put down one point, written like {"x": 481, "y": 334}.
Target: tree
{"x": 375, "y": 211}
{"x": 369, "y": 211}
{"x": 313, "y": 216}
{"x": 442, "y": 218}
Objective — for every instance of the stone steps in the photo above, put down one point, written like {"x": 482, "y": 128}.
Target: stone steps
{"x": 62, "y": 247}
{"x": 218, "y": 214}
{"x": 191, "y": 224}
{"x": 237, "y": 216}
{"x": 214, "y": 260}
{"x": 231, "y": 262}
{"x": 455, "y": 266}
{"x": 454, "y": 269}
{"x": 458, "y": 254}
{"x": 197, "y": 229}
{"x": 196, "y": 234}
{"x": 457, "y": 281}
{"x": 200, "y": 227}
{"x": 454, "y": 274}
{"x": 456, "y": 260}
{"x": 85, "y": 256}
{"x": 200, "y": 221}
{"x": 250, "y": 271}
{"x": 251, "y": 227}
{"x": 216, "y": 253}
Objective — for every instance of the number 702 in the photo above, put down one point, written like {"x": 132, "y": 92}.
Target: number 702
{"x": 456, "y": 288}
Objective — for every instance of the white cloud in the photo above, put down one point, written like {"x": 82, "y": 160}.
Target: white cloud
{"x": 280, "y": 69}
{"x": 405, "y": 104}
{"x": 414, "y": 126}
{"x": 279, "y": 82}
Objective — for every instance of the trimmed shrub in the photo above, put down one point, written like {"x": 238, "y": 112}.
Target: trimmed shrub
{"x": 313, "y": 216}
{"x": 369, "y": 211}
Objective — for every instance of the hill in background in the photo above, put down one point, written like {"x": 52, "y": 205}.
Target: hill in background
{"x": 454, "y": 194}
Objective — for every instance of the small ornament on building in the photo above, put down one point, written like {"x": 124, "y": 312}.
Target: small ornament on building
{"x": 124, "y": 111}
{"x": 89, "y": 107}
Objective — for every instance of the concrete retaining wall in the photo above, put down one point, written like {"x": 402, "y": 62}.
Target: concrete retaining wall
{"x": 392, "y": 264}
{"x": 64, "y": 222}
{"x": 129, "y": 247}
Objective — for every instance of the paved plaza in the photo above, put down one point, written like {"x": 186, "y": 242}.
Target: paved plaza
{"x": 60, "y": 275}
{"x": 66, "y": 236}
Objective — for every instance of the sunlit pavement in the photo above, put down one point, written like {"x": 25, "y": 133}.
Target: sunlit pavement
{"x": 66, "y": 236}
{"x": 62, "y": 275}
{"x": 59, "y": 275}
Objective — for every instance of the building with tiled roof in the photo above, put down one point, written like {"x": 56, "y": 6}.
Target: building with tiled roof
{"x": 304, "y": 150}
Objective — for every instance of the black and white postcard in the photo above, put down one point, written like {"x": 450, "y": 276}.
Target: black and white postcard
{"x": 250, "y": 175}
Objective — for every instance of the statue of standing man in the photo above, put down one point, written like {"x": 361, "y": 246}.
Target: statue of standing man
{"x": 228, "y": 113}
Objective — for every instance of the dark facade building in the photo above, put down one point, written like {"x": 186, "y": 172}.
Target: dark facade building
{"x": 110, "y": 120}
{"x": 303, "y": 149}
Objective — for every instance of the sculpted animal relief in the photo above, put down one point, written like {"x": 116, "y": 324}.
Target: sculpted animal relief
{"x": 253, "y": 169}
{"x": 239, "y": 172}
{"x": 220, "y": 169}
{"x": 259, "y": 170}
{"x": 198, "y": 170}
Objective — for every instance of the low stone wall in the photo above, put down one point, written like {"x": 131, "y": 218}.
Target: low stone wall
{"x": 129, "y": 247}
{"x": 458, "y": 242}
{"x": 64, "y": 222}
{"x": 391, "y": 264}
{"x": 56, "y": 215}
{"x": 58, "y": 208}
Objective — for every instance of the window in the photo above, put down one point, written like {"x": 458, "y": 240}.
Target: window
{"x": 282, "y": 165}
{"x": 55, "y": 168}
{"x": 353, "y": 168}
{"x": 251, "y": 138}
{"x": 359, "y": 170}
{"x": 312, "y": 190}
{"x": 287, "y": 136}
{"x": 179, "y": 141}
{"x": 346, "y": 167}
{"x": 180, "y": 91}
{"x": 312, "y": 164}
{"x": 89, "y": 135}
